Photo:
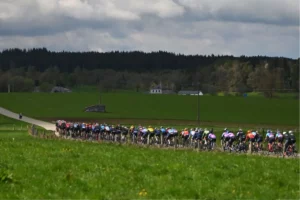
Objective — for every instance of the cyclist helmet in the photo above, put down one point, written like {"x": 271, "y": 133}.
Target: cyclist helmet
{"x": 284, "y": 133}
{"x": 290, "y": 132}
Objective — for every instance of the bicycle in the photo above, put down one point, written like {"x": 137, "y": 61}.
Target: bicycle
{"x": 277, "y": 149}
{"x": 291, "y": 151}
{"x": 241, "y": 147}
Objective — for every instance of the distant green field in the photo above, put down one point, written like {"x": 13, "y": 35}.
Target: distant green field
{"x": 33, "y": 168}
{"x": 227, "y": 109}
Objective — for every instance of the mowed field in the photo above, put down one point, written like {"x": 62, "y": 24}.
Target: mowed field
{"x": 213, "y": 109}
{"x": 34, "y": 168}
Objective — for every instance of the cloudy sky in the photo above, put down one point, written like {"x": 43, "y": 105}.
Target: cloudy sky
{"x": 235, "y": 27}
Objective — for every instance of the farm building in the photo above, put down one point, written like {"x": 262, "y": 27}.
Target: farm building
{"x": 190, "y": 92}
{"x": 156, "y": 90}
{"x": 60, "y": 89}
{"x": 159, "y": 89}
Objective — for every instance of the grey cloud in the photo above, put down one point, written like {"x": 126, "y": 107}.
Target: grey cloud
{"x": 181, "y": 26}
{"x": 284, "y": 13}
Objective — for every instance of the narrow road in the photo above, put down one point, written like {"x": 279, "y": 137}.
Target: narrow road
{"x": 45, "y": 125}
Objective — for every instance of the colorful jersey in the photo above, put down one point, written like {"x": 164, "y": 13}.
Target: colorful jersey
{"x": 250, "y": 136}
{"x": 231, "y": 135}
{"x": 279, "y": 135}
{"x": 240, "y": 134}
{"x": 144, "y": 130}
{"x": 225, "y": 135}
{"x": 185, "y": 133}
{"x": 211, "y": 136}
{"x": 270, "y": 135}
{"x": 206, "y": 132}
{"x": 135, "y": 130}
{"x": 151, "y": 130}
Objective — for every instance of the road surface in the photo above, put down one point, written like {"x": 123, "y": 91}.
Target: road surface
{"x": 45, "y": 125}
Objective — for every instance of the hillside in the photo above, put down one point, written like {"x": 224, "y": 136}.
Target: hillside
{"x": 24, "y": 69}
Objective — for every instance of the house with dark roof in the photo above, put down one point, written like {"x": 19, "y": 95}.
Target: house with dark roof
{"x": 190, "y": 92}
{"x": 159, "y": 89}
{"x": 60, "y": 89}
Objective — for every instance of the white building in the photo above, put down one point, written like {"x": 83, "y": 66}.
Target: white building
{"x": 155, "y": 91}
{"x": 190, "y": 92}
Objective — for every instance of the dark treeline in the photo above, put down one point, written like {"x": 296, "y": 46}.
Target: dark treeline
{"x": 24, "y": 69}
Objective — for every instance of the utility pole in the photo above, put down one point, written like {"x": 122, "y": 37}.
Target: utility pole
{"x": 198, "y": 114}
{"x": 99, "y": 96}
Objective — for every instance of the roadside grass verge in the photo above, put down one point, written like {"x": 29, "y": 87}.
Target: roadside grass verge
{"x": 214, "y": 109}
{"x": 9, "y": 124}
{"x": 48, "y": 169}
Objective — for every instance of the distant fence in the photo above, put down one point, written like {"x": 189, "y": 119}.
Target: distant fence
{"x": 34, "y": 131}
{"x": 14, "y": 127}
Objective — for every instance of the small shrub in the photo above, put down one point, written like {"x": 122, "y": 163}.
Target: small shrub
{"x": 5, "y": 175}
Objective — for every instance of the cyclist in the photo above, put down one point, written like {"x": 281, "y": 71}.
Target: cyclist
{"x": 144, "y": 132}
{"x": 135, "y": 132}
{"x": 241, "y": 139}
{"x": 241, "y": 135}
{"x": 205, "y": 133}
{"x": 131, "y": 128}
{"x": 258, "y": 140}
{"x": 250, "y": 136}
{"x": 290, "y": 139}
{"x": 270, "y": 137}
{"x": 211, "y": 139}
{"x": 279, "y": 138}
{"x": 150, "y": 131}
{"x": 193, "y": 133}
{"x": 163, "y": 131}
{"x": 200, "y": 131}
{"x": 185, "y": 134}
{"x": 157, "y": 132}
{"x": 225, "y": 136}
{"x": 231, "y": 138}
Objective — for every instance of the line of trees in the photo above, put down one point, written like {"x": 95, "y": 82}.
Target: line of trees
{"x": 25, "y": 69}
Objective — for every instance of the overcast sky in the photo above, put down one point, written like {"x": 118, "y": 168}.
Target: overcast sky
{"x": 235, "y": 27}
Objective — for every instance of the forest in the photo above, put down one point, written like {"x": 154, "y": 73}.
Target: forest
{"x": 23, "y": 70}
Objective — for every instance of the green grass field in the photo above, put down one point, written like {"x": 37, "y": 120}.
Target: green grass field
{"x": 227, "y": 109}
{"x": 33, "y": 168}
{"x": 11, "y": 124}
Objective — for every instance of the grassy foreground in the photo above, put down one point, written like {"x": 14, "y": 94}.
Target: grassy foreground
{"x": 251, "y": 110}
{"x": 47, "y": 169}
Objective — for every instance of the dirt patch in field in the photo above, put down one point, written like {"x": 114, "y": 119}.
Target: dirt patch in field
{"x": 170, "y": 122}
